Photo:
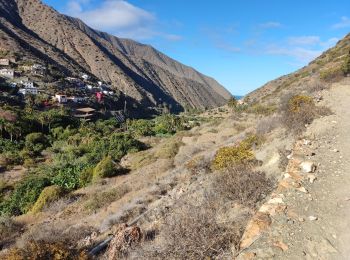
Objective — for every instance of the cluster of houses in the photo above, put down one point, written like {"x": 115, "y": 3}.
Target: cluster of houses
{"x": 8, "y": 72}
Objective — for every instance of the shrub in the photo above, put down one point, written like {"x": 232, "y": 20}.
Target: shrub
{"x": 141, "y": 127}
{"x": 24, "y": 195}
{"x": 192, "y": 232}
{"x": 234, "y": 155}
{"x": 35, "y": 143}
{"x": 232, "y": 102}
{"x": 104, "y": 169}
{"x": 121, "y": 144}
{"x": 67, "y": 177}
{"x": 169, "y": 148}
{"x": 332, "y": 74}
{"x": 242, "y": 184}
{"x": 299, "y": 111}
{"x": 85, "y": 177}
{"x": 260, "y": 109}
{"x": 44, "y": 250}
{"x": 48, "y": 195}
{"x": 169, "y": 124}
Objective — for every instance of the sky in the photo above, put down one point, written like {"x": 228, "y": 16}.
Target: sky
{"x": 241, "y": 43}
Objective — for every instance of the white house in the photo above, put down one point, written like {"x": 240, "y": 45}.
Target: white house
{"x": 13, "y": 84}
{"x": 85, "y": 76}
{"x": 77, "y": 99}
{"x": 4, "y": 62}
{"x": 27, "y": 84}
{"x": 28, "y": 91}
{"x": 61, "y": 98}
{"x": 8, "y": 73}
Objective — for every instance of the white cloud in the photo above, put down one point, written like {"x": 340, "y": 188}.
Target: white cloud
{"x": 173, "y": 37}
{"x": 304, "y": 40}
{"x": 112, "y": 14}
{"x": 120, "y": 18}
{"x": 270, "y": 25}
{"x": 300, "y": 54}
{"x": 344, "y": 23}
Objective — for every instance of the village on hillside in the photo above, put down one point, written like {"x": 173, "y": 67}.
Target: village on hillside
{"x": 27, "y": 80}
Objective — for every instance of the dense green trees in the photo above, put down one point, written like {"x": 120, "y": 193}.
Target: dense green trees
{"x": 79, "y": 152}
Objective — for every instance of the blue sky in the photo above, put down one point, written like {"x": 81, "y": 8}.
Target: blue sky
{"x": 241, "y": 43}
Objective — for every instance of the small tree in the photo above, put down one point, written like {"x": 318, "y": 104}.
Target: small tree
{"x": 232, "y": 102}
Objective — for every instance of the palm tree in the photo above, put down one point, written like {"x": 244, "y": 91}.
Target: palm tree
{"x": 2, "y": 125}
{"x": 10, "y": 129}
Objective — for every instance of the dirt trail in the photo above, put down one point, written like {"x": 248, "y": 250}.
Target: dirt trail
{"x": 313, "y": 221}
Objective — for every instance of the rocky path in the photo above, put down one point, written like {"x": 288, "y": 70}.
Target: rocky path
{"x": 308, "y": 217}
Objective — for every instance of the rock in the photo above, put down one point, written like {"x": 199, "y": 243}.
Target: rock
{"x": 313, "y": 218}
{"x": 281, "y": 245}
{"x": 311, "y": 178}
{"x": 260, "y": 223}
{"x": 302, "y": 189}
{"x": 306, "y": 142}
{"x": 308, "y": 167}
{"x": 336, "y": 150}
{"x": 124, "y": 238}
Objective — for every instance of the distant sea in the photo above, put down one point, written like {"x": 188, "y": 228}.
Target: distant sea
{"x": 238, "y": 97}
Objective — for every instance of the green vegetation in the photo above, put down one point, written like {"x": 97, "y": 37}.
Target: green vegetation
{"x": 24, "y": 195}
{"x": 104, "y": 169}
{"x": 68, "y": 154}
{"x": 231, "y": 156}
{"x": 49, "y": 194}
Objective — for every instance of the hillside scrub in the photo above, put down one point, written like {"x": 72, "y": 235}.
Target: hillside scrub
{"x": 24, "y": 195}
{"x": 241, "y": 153}
{"x": 192, "y": 232}
{"x": 243, "y": 184}
{"x": 299, "y": 111}
{"x": 44, "y": 250}
{"x": 48, "y": 195}
{"x": 104, "y": 169}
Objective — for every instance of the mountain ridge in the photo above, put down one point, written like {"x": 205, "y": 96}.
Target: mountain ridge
{"x": 145, "y": 74}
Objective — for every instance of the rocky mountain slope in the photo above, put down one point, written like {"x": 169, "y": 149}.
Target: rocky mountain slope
{"x": 148, "y": 76}
{"x": 330, "y": 67}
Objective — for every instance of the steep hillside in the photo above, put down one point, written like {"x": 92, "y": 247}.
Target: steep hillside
{"x": 330, "y": 67}
{"x": 145, "y": 74}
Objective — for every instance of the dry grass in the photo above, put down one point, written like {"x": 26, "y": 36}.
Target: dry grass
{"x": 243, "y": 184}
{"x": 9, "y": 229}
{"x": 43, "y": 250}
{"x": 193, "y": 232}
{"x": 52, "y": 233}
{"x": 268, "y": 124}
{"x": 100, "y": 200}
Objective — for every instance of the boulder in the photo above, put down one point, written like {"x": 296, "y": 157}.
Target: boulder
{"x": 308, "y": 167}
